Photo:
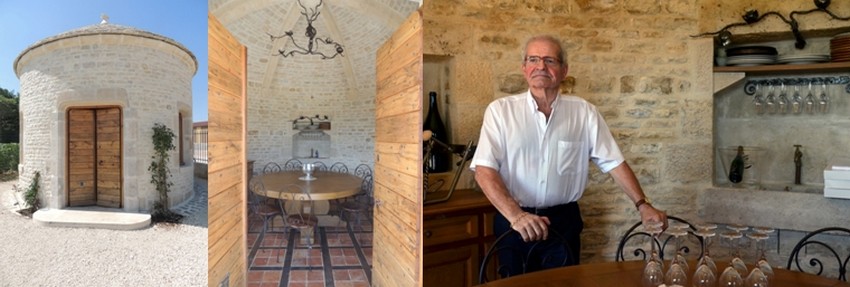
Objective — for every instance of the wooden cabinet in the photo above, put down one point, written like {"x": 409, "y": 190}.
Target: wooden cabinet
{"x": 455, "y": 236}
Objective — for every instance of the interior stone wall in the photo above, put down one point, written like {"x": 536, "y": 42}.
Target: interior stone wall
{"x": 635, "y": 60}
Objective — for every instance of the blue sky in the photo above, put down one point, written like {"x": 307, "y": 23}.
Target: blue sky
{"x": 24, "y": 22}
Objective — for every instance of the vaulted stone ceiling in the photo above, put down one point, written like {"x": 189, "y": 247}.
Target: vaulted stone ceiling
{"x": 281, "y": 89}
{"x": 359, "y": 25}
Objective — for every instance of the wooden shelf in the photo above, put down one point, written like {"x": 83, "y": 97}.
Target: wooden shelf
{"x": 785, "y": 69}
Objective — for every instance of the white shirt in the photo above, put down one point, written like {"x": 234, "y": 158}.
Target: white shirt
{"x": 544, "y": 163}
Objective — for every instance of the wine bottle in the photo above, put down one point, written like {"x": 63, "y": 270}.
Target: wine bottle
{"x": 736, "y": 171}
{"x": 440, "y": 158}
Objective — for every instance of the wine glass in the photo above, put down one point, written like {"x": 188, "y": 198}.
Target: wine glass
{"x": 762, "y": 262}
{"x": 677, "y": 274}
{"x": 730, "y": 276}
{"x": 810, "y": 100}
{"x": 653, "y": 272}
{"x": 737, "y": 262}
{"x": 757, "y": 277}
{"x": 758, "y": 100}
{"x": 796, "y": 100}
{"x": 706, "y": 270}
{"x": 824, "y": 100}
{"x": 782, "y": 100}
{"x": 307, "y": 168}
{"x": 770, "y": 101}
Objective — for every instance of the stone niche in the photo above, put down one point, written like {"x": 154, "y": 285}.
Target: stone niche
{"x": 776, "y": 201}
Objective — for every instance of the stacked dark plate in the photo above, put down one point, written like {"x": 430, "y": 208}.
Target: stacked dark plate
{"x": 839, "y": 47}
{"x": 750, "y": 55}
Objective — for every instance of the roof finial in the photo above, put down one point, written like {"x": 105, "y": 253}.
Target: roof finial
{"x": 104, "y": 18}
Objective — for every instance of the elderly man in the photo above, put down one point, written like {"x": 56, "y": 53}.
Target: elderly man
{"x": 534, "y": 151}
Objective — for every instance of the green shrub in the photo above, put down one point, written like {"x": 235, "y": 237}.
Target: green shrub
{"x": 9, "y": 157}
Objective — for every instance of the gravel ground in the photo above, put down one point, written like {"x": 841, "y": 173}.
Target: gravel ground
{"x": 33, "y": 255}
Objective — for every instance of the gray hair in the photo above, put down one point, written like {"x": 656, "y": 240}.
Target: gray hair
{"x": 562, "y": 55}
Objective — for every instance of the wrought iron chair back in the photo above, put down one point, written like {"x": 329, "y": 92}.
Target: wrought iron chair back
{"x": 359, "y": 205}
{"x": 535, "y": 251}
{"x": 661, "y": 242}
{"x": 292, "y": 164}
{"x": 362, "y": 170}
{"x": 271, "y": 168}
{"x": 825, "y": 252}
{"x": 339, "y": 167}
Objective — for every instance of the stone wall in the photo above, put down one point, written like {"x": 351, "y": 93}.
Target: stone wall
{"x": 148, "y": 78}
{"x": 635, "y": 60}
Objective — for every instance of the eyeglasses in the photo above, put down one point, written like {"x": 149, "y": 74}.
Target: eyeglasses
{"x": 549, "y": 61}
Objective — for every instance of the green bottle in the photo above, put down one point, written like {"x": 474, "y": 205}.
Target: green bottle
{"x": 736, "y": 171}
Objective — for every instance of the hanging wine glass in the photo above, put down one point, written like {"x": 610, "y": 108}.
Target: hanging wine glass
{"x": 677, "y": 274}
{"x": 770, "y": 101}
{"x": 706, "y": 234}
{"x": 796, "y": 101}
{"x": 680, "y": 229}
{"x": 758, "y": 100}
{"x": 810, "y": 100}
{"x": 782, "y": 100}
{"x": 824, "y": 100}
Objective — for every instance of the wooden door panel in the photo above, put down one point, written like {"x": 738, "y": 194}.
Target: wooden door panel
{"x": 227, "y": 74}
{"x": 109, "y": 157}
{"x": 398, "y": 219}
{"x": 81, "y": 157}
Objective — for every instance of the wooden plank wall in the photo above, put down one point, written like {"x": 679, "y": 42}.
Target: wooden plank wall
{"x": 227, "y": 166}
{"x": 398, "y": 158}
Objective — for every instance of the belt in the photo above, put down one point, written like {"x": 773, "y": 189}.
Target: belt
{"x": 555, "y": 209}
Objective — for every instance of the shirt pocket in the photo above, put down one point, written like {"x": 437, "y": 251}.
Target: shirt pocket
{"x": 569, "y": 157}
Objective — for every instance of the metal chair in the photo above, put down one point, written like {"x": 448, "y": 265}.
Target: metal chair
{"x": 360, "y": 205}
{"x": 299, "y": 215}
{"x": 339, "y": 167}
{"x": 362, "y": 170}
{"x": 536, "y": 251}
{"x": 271, "y": 168}
{"x": 639, "y": 251}
{"x": 817, "y": 245}
{"x": 264, "y": 207}
{"x": 292, "y": 164}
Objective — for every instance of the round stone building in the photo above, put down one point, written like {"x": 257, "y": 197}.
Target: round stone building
{"x": 89, "y": 100}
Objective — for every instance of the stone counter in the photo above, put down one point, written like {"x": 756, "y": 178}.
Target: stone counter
{"x": 777, "y": 209}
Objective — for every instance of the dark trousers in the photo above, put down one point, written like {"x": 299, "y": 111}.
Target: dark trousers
{"x": 565, "y": 219}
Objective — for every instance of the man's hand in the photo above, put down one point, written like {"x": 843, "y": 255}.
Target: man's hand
{"x": 648, "y": 213}
{"x": 531, "y": 227}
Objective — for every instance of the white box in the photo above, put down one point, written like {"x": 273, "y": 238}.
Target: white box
{"x": 836, "y": 193}
{"x": 836, "y": 183}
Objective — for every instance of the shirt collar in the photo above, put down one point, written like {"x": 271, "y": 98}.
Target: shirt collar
{"x": 533, "y": 104}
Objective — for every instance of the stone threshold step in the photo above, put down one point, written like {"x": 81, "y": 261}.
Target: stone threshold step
{"x": 92, "y": 217}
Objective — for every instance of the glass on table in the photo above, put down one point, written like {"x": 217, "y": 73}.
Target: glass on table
{"x": 677, "y": 274}
{"x": 761, "y": 260}
{"x": 731, "y": 276}
{"x": 653, "y": 272}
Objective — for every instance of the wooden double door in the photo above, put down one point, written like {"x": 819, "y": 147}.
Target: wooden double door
{"x": 94, "y": 157}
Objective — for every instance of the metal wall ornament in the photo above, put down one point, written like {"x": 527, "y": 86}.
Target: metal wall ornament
{"x": 724, "y": 37}
{"x": 314, "y": 44}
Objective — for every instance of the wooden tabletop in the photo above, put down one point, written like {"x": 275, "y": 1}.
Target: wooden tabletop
{"x": 326, "y": 186}
{"x": 628, "y": 273}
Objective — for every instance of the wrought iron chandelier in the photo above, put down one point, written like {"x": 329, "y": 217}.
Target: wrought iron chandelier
{"x": 314, "y": 44}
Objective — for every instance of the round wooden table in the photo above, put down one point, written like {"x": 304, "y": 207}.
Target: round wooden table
{"x": 628, "y": 273}
{"x": 326, "y": 186}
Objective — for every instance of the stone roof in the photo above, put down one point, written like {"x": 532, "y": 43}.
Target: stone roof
{"x": 106, "y": 29}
